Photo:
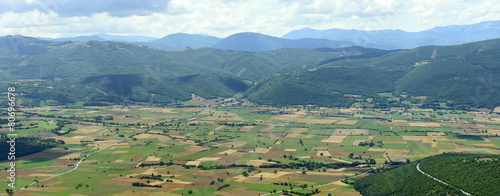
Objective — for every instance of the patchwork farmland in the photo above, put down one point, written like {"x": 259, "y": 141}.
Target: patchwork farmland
{"x": 240, "y": 150}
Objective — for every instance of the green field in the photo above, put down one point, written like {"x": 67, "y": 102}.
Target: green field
{"x": 193, "y": 146}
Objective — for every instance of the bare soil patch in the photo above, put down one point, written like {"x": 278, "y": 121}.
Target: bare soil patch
{"x": 397, "y": 158}
{"x": 245, "y": 128}
{"x": 119, "y": 152}
{"x": 137, "y": 157}
{"x": 273, "y": 153}
{"x": 256, "y": 163}
{"x": 328, "y": 120}
{"x": 435, "y": 134}
{"x": 412, "y": 138}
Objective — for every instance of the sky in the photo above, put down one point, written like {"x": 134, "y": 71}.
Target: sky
{"x": 221, "y": 18}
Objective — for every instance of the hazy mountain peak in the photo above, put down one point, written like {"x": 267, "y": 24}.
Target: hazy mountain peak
{"x": 399, "y": 39}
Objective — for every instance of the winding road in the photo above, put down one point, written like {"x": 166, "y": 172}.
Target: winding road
{"x": 418, "y": 168}
{"x": 76, "y": 167}
{"x": 83, "y": 159}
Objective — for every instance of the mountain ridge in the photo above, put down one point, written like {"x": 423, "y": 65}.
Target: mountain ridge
{"x": 388, "y": 39}
{"x": 399, "y": 39}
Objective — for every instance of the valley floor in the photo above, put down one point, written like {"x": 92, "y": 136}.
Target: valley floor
{"x": 233, "y": 150}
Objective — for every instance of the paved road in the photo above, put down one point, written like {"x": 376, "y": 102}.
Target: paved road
{"x": 418, "y": 168}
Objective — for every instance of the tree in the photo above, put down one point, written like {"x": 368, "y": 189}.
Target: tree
{"x": 190, "y": 192}
{"x": 245, "y": 174}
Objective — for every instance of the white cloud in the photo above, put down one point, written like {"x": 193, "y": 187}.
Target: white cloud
{"x": 180, "y": 7}
{"x": 222, "y": 18}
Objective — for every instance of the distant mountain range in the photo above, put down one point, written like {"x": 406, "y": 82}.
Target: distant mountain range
{"x": 180, "y": 41}
{"x": 258, "y": 42}
{"x": 105, "y": 37}
{"x": 266, "y": 69}
{"x": 331, "y": 38}
{"x": 398, "y": 39}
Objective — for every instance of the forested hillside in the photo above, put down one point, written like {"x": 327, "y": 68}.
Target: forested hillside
{"x": 475, "y": 174}
{"x": 404, "y": 180}
{"x": 110, "y": 72}
{"x": 325, "y": 86}
{"x": 30, "y": 145}
{"x": 461, "y": 76}
{"x": 465, "y": 76}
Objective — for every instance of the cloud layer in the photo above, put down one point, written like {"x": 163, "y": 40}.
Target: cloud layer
{"x": 64, "y": 18}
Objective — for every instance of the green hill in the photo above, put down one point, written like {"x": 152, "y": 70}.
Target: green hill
{"x": 464, "y": 76}
{"x": 472, "y": 79}
{"x": 468, "y": 172}
{"x": 404, "y": 180}
{"x": 100, "y": 72}
{"x": 254, "y": 66}
{"x": 461, "y": 76}
{"x": 473, "y": 173}
{"x": 326, "y": 86}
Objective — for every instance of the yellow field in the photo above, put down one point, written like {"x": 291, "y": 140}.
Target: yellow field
{"x": 412, "y": 138}
{"x": 424, "y": 124}
{"x": 356, "y": 142}
{"x": 334, "y": 139}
